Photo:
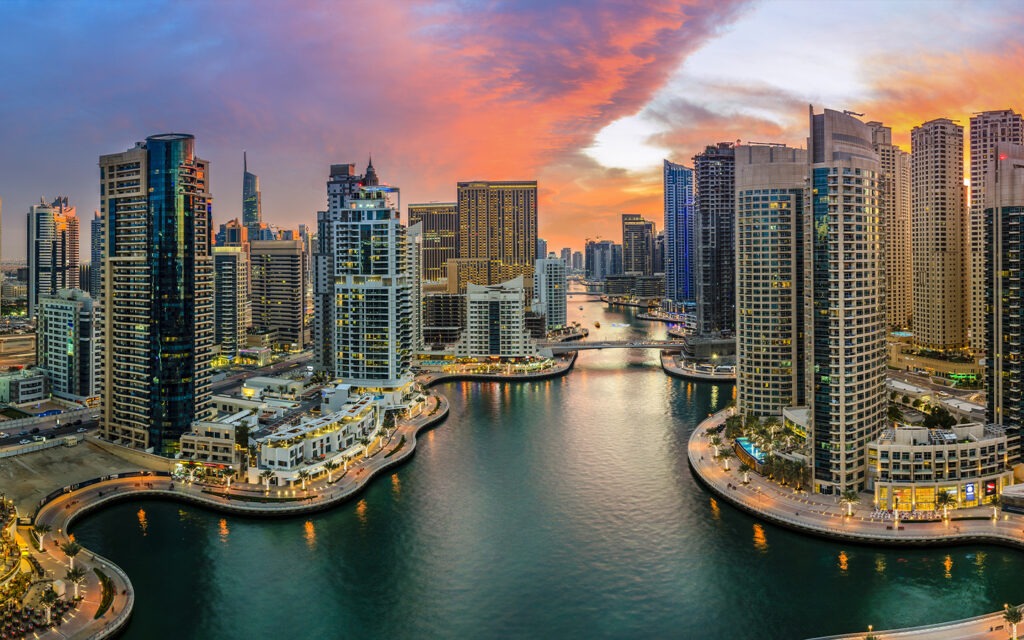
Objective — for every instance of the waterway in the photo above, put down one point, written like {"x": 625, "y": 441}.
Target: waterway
{"x": 562, "y": 508}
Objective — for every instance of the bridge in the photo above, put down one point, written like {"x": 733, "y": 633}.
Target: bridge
{"x": 593, "y": 294}
{"x": 548, "y": 349}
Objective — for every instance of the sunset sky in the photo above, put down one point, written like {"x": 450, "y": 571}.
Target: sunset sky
{"x": 585, "y": 97}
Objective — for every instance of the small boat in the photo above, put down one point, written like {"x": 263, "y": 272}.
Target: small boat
{"x": 597, "y": 325}
{"x": 581, "y": 308}
{"x": 619, "y": 325}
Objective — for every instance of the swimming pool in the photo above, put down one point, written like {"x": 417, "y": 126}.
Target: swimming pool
{"x": 751, "y": 449}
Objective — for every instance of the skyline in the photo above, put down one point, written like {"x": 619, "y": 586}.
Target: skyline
{"x": 585, "y": 100}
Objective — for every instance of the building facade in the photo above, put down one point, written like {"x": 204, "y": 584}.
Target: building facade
{"x": 252, "y": 199}
{"x": 604, "y": 258}
{"x": 496, "y": 322}
{"x": 939, "y": 232}
{"x": 680, "y": 252}
{"x": 96, "y": 256}
{"x": 440, "y": 222}
{"x": 550, "y": 287}
{"x": 231, "y": 302}
{"x": 714, "y": 204}
{"x": 894, "y": 194}
{"x": 637, "y": 245}
{"x": 770, "y": 296}
{"x": 278, "y": 291}
{"x": 156, "y": 330}
{"x": 52, "y": 250}
{"x": 498, "y": 224}
{"x": 988, "y": 129}
{"x": 65, "y": 343}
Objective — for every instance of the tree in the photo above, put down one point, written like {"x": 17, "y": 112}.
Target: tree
{"x": 850, "y": 497}
{"x": 939, "y": 418}
{"x": 895, "y": 414}
{"x": 49, "y": 599}
{"x": 330, "y": 465}
{"x": 75, "y": 577}
{"x": 303, "y": 475}
{"x": 944, "y": 500}
{"x": 905, "y": 399}
{"x": 1013, "y": 616}
{"x": 745, "y": 470}
{"x": 917, "y": 403}
{"x": 41, "y": 530}
{"x": 267, "y": 474}
{"x": 725, "y": 455}
{"x": 716, "y": 442}
{"x": 71, "y": 549}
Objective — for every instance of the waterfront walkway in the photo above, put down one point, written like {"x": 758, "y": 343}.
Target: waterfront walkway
{"x": 563, "y": 366}
{"x": 824, "y": 516}
{"x": 240, "y": 498}
{"x": 673, "y": 365}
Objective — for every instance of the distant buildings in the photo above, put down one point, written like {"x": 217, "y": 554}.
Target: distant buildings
{"x": 680, "y": 251}
{"x": 278, "y": 292}
{"x": 498, "y": 225}
{"x": 52, "y": 250}
{"x": 714, "y": 207}
{"x": 940, "y": 281}
{"x": 96, "y": 256}
{"x": 252, "y": 200}
{"x": 542, "y": 248}
{"x": 604, "y": 258}
{"x": 496, "y": 322}
{"x": 566, "y": 256}
{"x": 549, "y": 291}
{"x": 894, "y": 200}
{"x": 577, "y": 261}
{"x": 637, "y": 245}
{"x": 65, "y": 343}
{"x": 156, "y": 333}
{"x": 440, "y": 222}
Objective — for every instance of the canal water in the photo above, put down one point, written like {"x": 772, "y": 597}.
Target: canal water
{"x": 562, "y": 508}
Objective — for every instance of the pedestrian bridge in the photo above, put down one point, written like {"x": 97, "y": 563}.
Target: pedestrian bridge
{"x": 592, "y": 294}
{"x": 548, "y": 349}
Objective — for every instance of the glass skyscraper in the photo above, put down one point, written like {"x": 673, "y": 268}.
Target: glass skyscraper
{"x": 252, "y": 204}
{"x": 679, "y": 234}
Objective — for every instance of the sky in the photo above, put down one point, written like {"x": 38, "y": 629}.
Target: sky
{"x": 587, "y": 97}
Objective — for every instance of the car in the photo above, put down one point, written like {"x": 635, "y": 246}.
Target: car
{"x": 81, "y": 430}
{"x": 4, "y": 435}
{"x": 23, "y": 433}
{"x": 35, "y": 430}
{"x": 38, "y": 439}
{"x": 25, "y": 441}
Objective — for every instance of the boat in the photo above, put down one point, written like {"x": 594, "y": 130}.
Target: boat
{"x": 581, "y": 308}
{"x": 597, "y": 325}
{"x": 620, "y": 325}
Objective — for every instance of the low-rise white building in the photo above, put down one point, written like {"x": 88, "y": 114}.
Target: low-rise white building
{"x": 496, "y": 322}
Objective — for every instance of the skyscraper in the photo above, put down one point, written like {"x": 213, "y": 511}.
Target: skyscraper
{"x": 770, "y": 294}
{"x": 604, "y": 258}
{"x": 939, "y": 224}
{"x": 894, "y": 202}
{"x": 279, "y": 291}
{"x": 549, "y": 291}
{"x": 232, "y": 306}
{"x": 363, "y": 275}
{"x": 440, "y": 222}
{"x": 52, "y": 250}
{"x": 566, "y": 256}
{"x": 233, "y": 234}
{"x": 577, "y": 261}
{"x": 637, "y": 244}
{"x": 542, "y": 248}
{"x": 498, "y": 224}
{"x": 65, "y": 343}
{"x": 96, "y": 256}
{"x": 845, "y": 321}
{"x": 659, "y": 252}
{"x": 679, "y": 234}
{"x": 988, "y": 129}
{"x": 714, "y": 207}
{"x": 156, "y": 331}
{"x": 252, "y": 199}
{"x": 414, "y": 251}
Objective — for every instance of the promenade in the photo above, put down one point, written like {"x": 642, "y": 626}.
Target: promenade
{"x": 672, "y": 364}
{"x": 564, "y": 365}
{"x": 824, "y": 516}
{"x": 241, "y": 498}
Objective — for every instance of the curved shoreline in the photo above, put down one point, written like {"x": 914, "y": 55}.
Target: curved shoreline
{"x": 825, "y": 523}
{"x": 687, "y": 374}
{"x": 82, "y": 501}
{"x": 562, "y": 370}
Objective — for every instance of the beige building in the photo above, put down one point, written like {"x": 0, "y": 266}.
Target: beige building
{"x": 894, "y": 202}
{"x": 939, "y": 231}
{"x": 498, "y": 224}
{"x": 278, "y": 291}
{"x": 988, "y": 129}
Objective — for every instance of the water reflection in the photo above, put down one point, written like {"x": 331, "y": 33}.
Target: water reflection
{"x": 844, "y": 562}
{"x": 979, "y": 562}
{"x": 361, "y": 511}
{"x": 222, "y": 530}
{"x": 396, "y": 485}
{"x": 760, "y": 540}
{"x": 880, "y": 564}
{"x": 948, "y": 565}
{"x": 143, "y": 524}
{"x": 716, "y": 513}
{"x": 309, "y": 533}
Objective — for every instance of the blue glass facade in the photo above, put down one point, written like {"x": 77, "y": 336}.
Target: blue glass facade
{"x": 680, "y": 252}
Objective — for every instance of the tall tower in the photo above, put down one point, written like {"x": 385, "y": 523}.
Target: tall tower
{"x": 440, "y": 222}
{"x": 252, "y": 199}
{"x": 939, "y": 232}
{"x": 156, "y": 334}
{"x": 96, "y": 255}
{"x": 65, "y": 343}
{"x": 231, "y": 309}
{"x": 988, "y": 129}
{"x": 715, "y": 216}
{"x": 894, "y": 201}
{"x": 279, "y": 291}
{"x": 365, "y": 291}
{"x": 498, "y": 225}
{"x": 52, "y": 250}
{"x": 549, "y": 291}
{"x": 679, "y": 233}
{"x": 845, "y": 321}
{"x": 770, "y": 292}
{"x": 637, "y": 244}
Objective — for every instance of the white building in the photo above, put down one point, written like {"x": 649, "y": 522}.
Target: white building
{"x": 414, "y": 236}
{"x": 549, "y": 291}
{"x": 52, "y": 250}
{"x": 496, "y": 322}
{"x": 65, "y": 343}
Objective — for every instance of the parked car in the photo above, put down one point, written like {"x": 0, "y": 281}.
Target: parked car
{"x": 4, "y": 435}
{"x": 81, "y": 430}
{"x": 25, "y": 441}
{"x": 23, "y": 433}
{"x": 35, "y": 430}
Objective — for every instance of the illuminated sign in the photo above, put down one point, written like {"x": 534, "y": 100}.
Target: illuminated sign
{"x": 990, "y": 488}
{"x": 969, "y": 491}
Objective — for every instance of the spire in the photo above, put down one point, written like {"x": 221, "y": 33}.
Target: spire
{"x": 245, "y": 163}
{"x": 370, "y": 179}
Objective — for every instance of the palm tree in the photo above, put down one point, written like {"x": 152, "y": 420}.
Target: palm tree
{"x": 41, "y": 530}
{"x": 850, "y": 498}
{"x": 75, "y": 577}
{"x": 1013, "y": 616}
{"x": 303, "y": 475}
{"x": 944, "y": 500}
{"x": 716, "y": 442}
{"x": 996, "y": 502}
{"x": 330, "y": 465}
{"x": 71, "y": 550}
{"x": 745, "y": 470}
{"x": 267, "y": 475}
{"x": 725, "y": 456}
{"x": 49, "y": 599}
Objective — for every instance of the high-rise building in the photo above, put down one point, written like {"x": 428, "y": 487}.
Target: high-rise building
{"x": 414, "y": 242}
{"x": 604, "y": 258}
{"x": 679, "y": 234}
{"x": 498, "y": 224}
{"x": 156, "y": 330}
{"x": 363, "y": 273}
{"x": 566, "y": 256}
{"x": 770, "y": 294}
{"x": 1003, "y": 208}
{"x": 714, "y": 206}
{"x": 496, "y": 322}
{"x": 252, "y": 199}
{"x": 542, "y": 248}
{"x": 232, "y": 311}
{"x": 577, "y": 261}
{"x": 637, "y": 245}
{"x": 96, "y": 256}
{"x": 233, "y": 234}
{"x": 659, "y": 252}
{"x": 440, "y": 222}
{"x": 894, "y": 202}
{"x": 939, "y": 224}
{"x": 845, "y": 318}
{"x": 278, "y": 292}
{"x": 65, "y": 343}
{"x": 549, "y": 291}
{"x": 444, "y": 317}
{"x": 988, "y": 129}
{"x": 52, "y": 250}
